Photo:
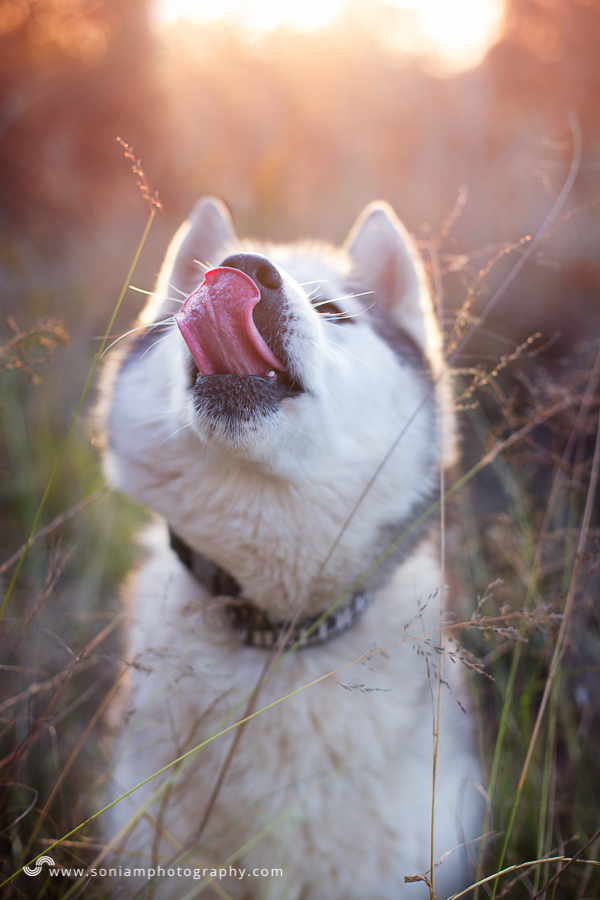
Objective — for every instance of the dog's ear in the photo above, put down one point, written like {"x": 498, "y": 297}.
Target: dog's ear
{"x": 202, "y": 241}
{"x": 385, "y": 260}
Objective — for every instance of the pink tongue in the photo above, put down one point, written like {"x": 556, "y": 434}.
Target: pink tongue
{"x": 216, "y": 324}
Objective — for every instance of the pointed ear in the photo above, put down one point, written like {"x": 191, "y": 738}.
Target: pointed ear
{"x": 384, "y": 259}
{"x": 206, "y": 237}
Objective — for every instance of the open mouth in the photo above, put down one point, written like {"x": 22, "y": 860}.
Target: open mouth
{"x": 224, "y": 342}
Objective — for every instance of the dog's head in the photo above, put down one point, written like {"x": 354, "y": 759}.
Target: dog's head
{"x": 298, "y": 366}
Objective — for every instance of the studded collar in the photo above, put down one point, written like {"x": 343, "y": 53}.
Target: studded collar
{"x": 254, "y": 624}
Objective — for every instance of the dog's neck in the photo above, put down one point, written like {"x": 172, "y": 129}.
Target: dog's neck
{"x": 254, "y": 624}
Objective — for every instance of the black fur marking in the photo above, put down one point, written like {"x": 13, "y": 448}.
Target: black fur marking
{"x": 399, "y": 341}
{"x": 215, "y": 579}
{"x": 390, "y": 533}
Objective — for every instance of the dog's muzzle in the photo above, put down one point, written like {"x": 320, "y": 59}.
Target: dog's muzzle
{"x": 234, "y": 326}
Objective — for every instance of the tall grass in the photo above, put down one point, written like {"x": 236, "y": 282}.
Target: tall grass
{"x": 519, "y": 535}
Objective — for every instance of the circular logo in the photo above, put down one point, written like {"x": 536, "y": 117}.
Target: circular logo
{"x": 37, "y": 868}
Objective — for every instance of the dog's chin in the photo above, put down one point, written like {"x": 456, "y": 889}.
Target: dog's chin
{"x": 237, "y": 410}
{"x": 235, "y": 399}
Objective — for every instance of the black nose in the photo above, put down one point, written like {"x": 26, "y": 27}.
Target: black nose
{"x": 271, "y": 315}
{"x": 261, "y": 270}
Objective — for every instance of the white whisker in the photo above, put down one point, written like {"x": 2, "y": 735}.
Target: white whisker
{"x": 151, "y": 294}
{"x": 152, "y": 346}
{"x": 343, "y": 297}
{"x": 169, "y": 436}
{"x": 150, "y": 327}
{"x": 343, "y": 315}
{"x": 132, "y": 287}
{"x": 179, "y": 291}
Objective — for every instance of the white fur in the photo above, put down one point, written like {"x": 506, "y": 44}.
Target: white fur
{"x": 267, "y": 503}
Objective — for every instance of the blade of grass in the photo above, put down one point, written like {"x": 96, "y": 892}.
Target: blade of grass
{"x": 509, "y": 869}
{"x": 546, "y": 824}
{"x": 569, "y": 863}
{"x": 440, "y": 674}
{"x": 55, "y": 523}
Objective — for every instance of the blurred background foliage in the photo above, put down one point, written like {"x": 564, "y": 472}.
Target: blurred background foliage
{"x": 296, "y": 132}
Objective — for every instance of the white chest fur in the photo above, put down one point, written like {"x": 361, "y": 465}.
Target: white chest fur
{"x": 334, "y": 780}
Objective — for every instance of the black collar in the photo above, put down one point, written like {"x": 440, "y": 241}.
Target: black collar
{"x": 255, "y": 625}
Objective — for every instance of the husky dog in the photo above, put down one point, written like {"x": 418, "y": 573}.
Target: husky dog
{"x": 288, "y": 422}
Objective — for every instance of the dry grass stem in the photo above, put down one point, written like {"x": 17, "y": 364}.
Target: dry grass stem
{"x": 47, "y": 334}
{"x": 150, "y": 196}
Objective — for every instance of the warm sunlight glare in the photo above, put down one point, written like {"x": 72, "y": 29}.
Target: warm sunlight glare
{"x": 302, "y": 15}
{"x": 458, "y": 32}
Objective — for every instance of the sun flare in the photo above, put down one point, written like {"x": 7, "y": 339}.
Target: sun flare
{"x": 457, "y": 33}
{"x": 263, "y": 15}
